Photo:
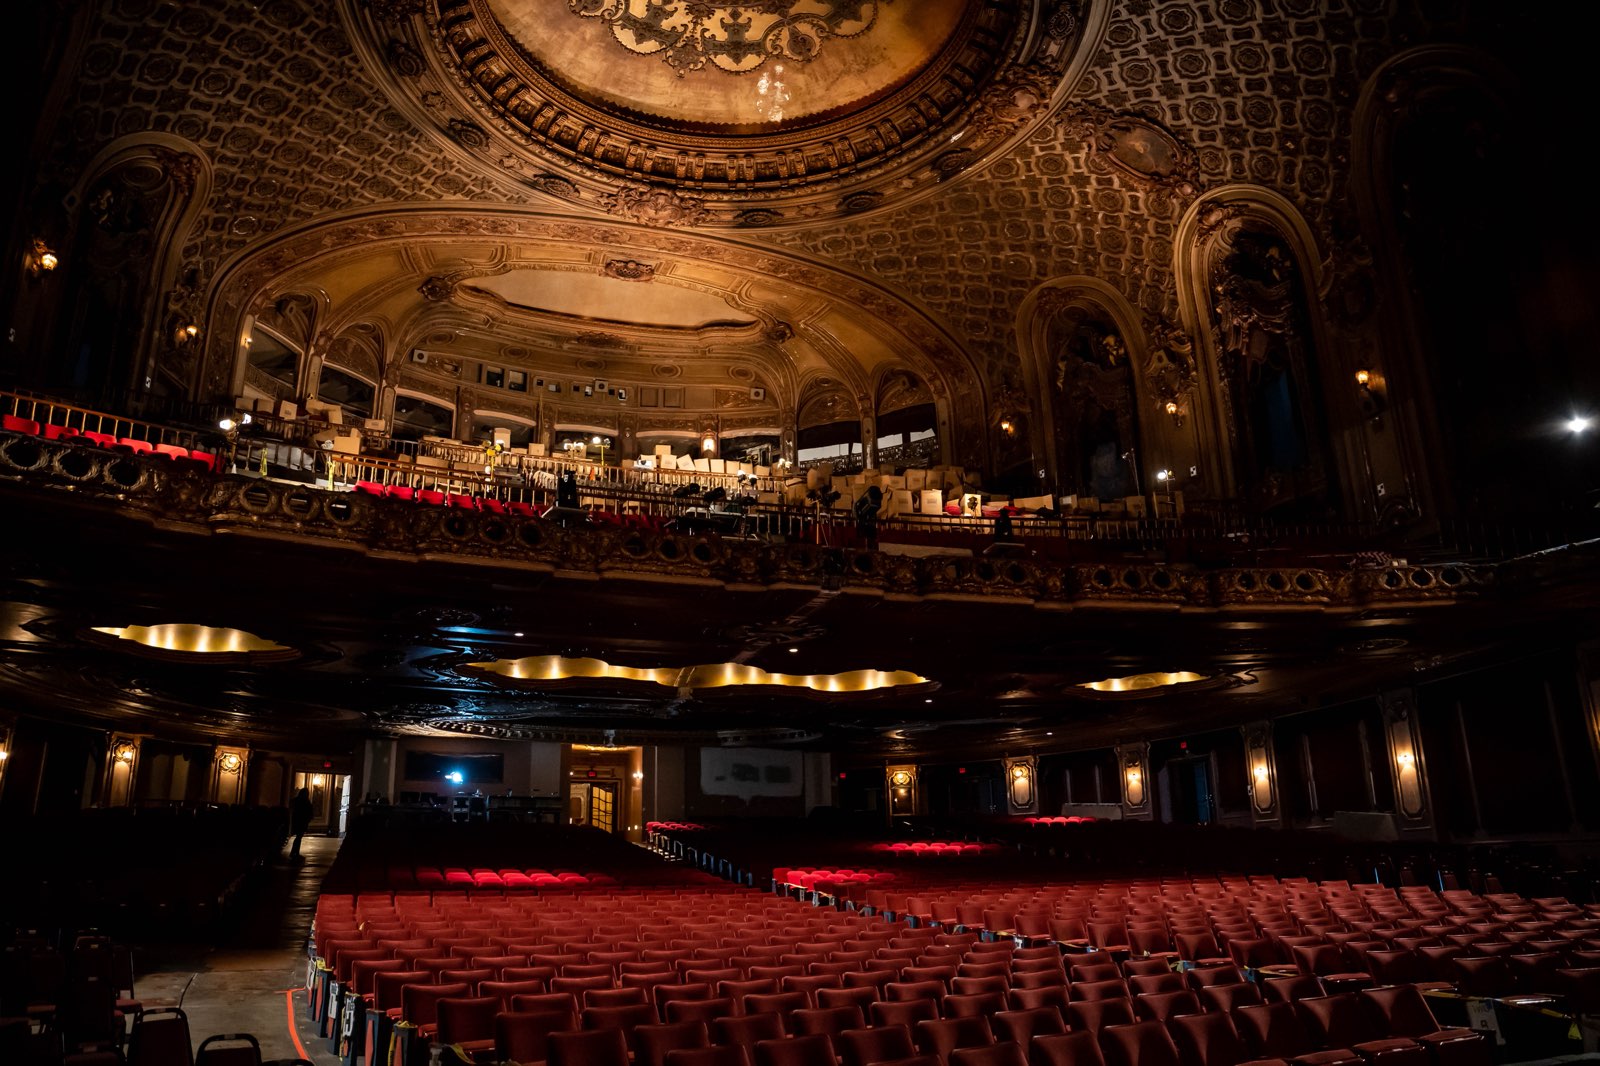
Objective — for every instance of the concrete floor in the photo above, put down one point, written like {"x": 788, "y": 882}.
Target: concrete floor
{"x": 246, "y": 981}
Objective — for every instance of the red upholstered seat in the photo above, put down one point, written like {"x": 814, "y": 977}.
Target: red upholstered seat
{"x": 863, "y": 1047}
{"x": 1140, "y": 1044}
{"x": 1076, "y": 1048}
{"x": 13, "y": 424}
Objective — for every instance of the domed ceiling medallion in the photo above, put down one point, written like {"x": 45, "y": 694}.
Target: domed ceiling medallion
{"x": 692, "y": 113}
{"x": 736, "y": 38}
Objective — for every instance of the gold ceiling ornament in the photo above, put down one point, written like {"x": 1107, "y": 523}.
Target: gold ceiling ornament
{"x": 556, "y": 671}
{"x": 736, "y": 38}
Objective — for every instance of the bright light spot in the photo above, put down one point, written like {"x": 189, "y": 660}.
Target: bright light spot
{"x": 1578, "y": 423}
{"x": 454, "y": 777}
{"x": 516, "y": 634}
{"x": 1163, "y": 475}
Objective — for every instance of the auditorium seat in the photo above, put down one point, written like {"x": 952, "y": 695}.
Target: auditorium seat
{"x": 1404, "y": 1012}
{"x": 1021, "y": 1026}
{"x": 1343, "y": 1021}
{"x": 524, "y": 1036}
{"x": 1075, "y": 1048}
{"x": 1141, "y": 1044}
{"x": 592, "y": 1047}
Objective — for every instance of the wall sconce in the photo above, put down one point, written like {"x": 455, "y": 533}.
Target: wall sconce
{"x": 316, "y": 780}
{"x": 4, "y": 755}
{"x": 900, "y": 779}
{"x": 638, "y": 775}
{"x": 1134, "y": 777}
{"x": 185, "y": 334}
{"x": 40, "y": 259}
{"x": 1174, "y": 412}
{"x": 230, "y": 762}
{"x": 1261, "y": 791}
{"x": 1021, "y": 785}
{"x": 123, "y": 752}
{"x": 709, "y": 444}
{"x": 1369, "y": 393}
{"x": 1006, "y": 426}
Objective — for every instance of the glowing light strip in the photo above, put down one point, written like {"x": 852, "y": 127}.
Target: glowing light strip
{"x": 1138, "y": 682}
{"x": 556, "y": 668}
{"x": 194, "y": 640}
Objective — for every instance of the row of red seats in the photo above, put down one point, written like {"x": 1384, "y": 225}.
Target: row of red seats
{"x": 1057, "y": 819}
{"x": 434, "y": 498}
{"x": 490, "y": 505}
{"x": 51, "y": 431}
{"x": 1373, "y": 1022}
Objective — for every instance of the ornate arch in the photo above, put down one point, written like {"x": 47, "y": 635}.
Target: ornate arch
{"x": 1208, "y": 229}
{"x": 155, "y": 184}
{"x": 1392, "y": 92}
{"x": 1040, "y": 312}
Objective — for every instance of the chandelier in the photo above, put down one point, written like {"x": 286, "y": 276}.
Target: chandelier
{"x": 737, "y": 38}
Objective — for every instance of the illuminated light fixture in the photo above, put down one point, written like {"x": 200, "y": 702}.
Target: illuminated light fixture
{"x": 709, "y": 444}
{"x": 555, "y": 671}
{"x": 1405, "y": 759}
{"x": 1163, "y": 476}
{"x": 230, "y": 762}
{"x": 900, "y": 779}
{"x": 1172, "y": 407}
{"x": 1579, "y": 423}
{"x": 194, "y": 643}
{"x": 316, "y": 780}
{"x": 1260, "y": 771}
{"x": 455, "y": 777}
{"x": 4, "y": 755}
{"x": 1174, "y": 412}
{"x": 638, "y": 775}
{"x": 227, "y": 425}
{"x": 1142, "y": 682}
{"x": 1363, "y": 378}
{"x": 40, "y": 259}
{"x": 1134, "y": 775}
{"x": 1019, "y": 772}
{"x": 123, "y": 752}
{"x": 1005, "y": 425}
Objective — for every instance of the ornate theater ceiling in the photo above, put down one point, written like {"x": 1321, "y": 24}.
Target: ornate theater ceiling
{"x": 776, "y": 196}
{"x": 955, "y": 155}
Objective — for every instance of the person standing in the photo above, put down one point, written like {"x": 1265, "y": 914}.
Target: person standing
{"x": 299, "y": 819}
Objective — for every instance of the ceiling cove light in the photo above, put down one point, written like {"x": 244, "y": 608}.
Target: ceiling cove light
{"x": 1144, "y": 682}
{"x": 194, "y": 643}
{"x": 555, "y": 671}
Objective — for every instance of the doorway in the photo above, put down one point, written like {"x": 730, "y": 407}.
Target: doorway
{"x": 1189, "y": 794}
{"x": 593, "y": 803}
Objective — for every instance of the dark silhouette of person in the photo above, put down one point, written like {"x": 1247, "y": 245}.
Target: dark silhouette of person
{"x": 867, "y": 507}
{"x": 1002, "y": 525}
{"x": 299, "y": 819}
{"x": 567, "y": 490}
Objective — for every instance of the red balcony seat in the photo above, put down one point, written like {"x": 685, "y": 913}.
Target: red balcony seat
{"x": 465, "y": 503}
{"x": 399, "y": 492}
{"x": 139, "y": 447}
{"x": 13, "y": 424}
{"x": 55, "y": 432}
{"x": 369, "y": 488}
{"x": 171, "y": 451}
{"x": 431, "y": 497}
{"x": 103, "y": 440}
{"x": 205, "y": 459}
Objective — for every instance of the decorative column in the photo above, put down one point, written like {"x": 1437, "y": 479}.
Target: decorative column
{"x": 122, "y": 770}
{"x": 229, "y": 768}
{"x": 1261, "y": 764}
{"x": 1134, "y": 762}
{"x": 1413, "y": 810}
{"x": 1022, "y": 785}
{"x": 900, "y": 788}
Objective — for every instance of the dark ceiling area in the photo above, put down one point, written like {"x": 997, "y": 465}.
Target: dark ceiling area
{"x": 385, "y": 645}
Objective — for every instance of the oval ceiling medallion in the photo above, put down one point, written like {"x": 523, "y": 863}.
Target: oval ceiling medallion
{"x": 729, "y": 114}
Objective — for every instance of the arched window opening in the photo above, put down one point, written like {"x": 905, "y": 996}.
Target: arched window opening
{"x": 416, "y": 417}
